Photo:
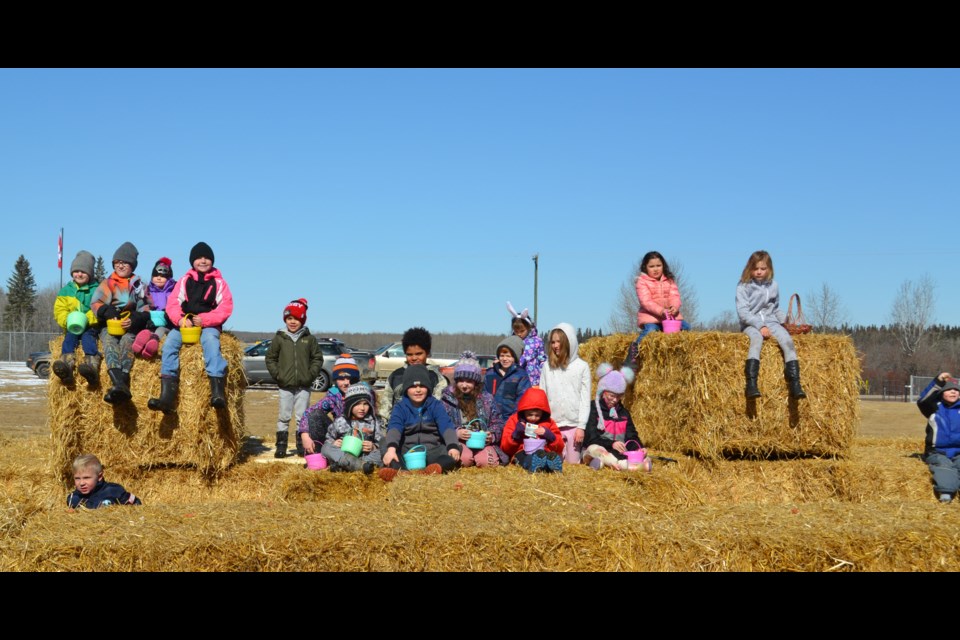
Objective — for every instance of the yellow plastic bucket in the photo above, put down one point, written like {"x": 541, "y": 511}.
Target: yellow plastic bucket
{"x": 114, "y": 327}
{"x": 190, "y": 335}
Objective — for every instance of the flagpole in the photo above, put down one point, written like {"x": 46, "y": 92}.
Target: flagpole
{"x": 60, "y": 257}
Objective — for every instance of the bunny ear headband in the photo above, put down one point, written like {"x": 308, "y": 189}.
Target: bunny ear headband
{"x": 525, "y": 316}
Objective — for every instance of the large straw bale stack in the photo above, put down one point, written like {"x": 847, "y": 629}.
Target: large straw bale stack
{"x": 689, "y": 394}
{"x": 129, "y": 434}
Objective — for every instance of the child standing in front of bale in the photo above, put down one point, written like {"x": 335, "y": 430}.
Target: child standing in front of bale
{"x": 294, "y": 360}
{"x": 345, "y": 373}
{"x": 659, "y": 299}
{"x": 158, "y": 290}
{"x": 201, "y": 298}
{"x": 533, "y": 355}
{"x": 938, "y": 403}
{"x": 566, "y": 380}
{"x": 471, "y": 409}
{"x": 533, "y": 420}
{"x": 417, "y": 343}
{"x": 92, "y": 490}
{"x": 76, "y": 296}
{"x": 122, "y": 297}
{"x": 506, "y": 380}
{"x": 360, "y": 421}
{"x": 610, "y": 426}
{"x": 758, "y": 305}
{"x": 419, "y": 419}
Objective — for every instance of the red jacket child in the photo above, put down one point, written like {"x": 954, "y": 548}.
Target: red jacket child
{"x": 513, "y": 432}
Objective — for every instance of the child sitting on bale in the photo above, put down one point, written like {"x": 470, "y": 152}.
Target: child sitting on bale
{"x": 92, "y": 490}
{"x": 938, "y": 403}
{"x": 532, "y": 421}
{"x": 358, "y": 420}
{"x": 610, "y": 427}
{"x": 77, "y": 296}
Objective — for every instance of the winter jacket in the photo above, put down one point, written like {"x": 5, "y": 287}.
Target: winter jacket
{"x": 607, "y": 430}
{"x": 943, "y": 422}
{"x": 394, "y": 391}
{"x": 369, "y": 429}
{"x": 208, "y": 298}
{"x": 116, "y": 295}
{"x": 655, "y": 296}
{"x": 75, "y": 297}
{"x": 758, "y": 304}
{"x": 568, "y": 388}
{"x": 508, "y": 388}
{"x": 513, "y": 431}
{"x": 104, "y": 494}
{"x": 159, "y": 295}
{"x": 294, "y": 363}
{"x": 427, "y": 424}
{"x": 488, "y": 413}
{"x": 533, "y": 356}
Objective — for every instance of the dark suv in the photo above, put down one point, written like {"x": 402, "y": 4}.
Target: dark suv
{"x": 255, "y": 367}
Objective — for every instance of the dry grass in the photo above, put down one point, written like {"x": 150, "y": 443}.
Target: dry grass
{"x": 131, "y": 435}
{"x": 688, "y": 395}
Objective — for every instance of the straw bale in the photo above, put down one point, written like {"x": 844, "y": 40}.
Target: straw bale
{"x": 688, "y": 394}
{"x": 503, "y": 520}
{"x": 131, "y": 435}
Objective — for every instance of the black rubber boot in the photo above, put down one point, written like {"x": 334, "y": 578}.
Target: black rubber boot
{"x": 167, "y": 402}
{"x": 281, "y": 451}
{"x": 791, "y": 371}
{"x": 90, "y": 370}
{"x": 752, "y": 370}
{"x": 119, "y": 391}
{"x": 218, "y": 398}
{"x": 300, "y": 451}
{"x": 63, "y": 368}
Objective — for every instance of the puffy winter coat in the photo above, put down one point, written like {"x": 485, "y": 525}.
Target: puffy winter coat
{"x": 655, "y": 296}
{"x": 943, "y": 422}
{"x": 512, "y": 440}
{"x": 294, "y": 363}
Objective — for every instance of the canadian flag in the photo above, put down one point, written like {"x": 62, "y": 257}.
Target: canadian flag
{"x": 60, "y": 250}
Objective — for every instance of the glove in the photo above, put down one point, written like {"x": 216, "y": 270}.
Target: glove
{"x": 548, "y": 435}
{"x": 107, "y": 312}
{"x": 517, "y": 434}
{"x": 138, "y": 321}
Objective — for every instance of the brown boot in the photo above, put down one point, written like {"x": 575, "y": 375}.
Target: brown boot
{"x": 63, "y": 368}
{"x": 90, "y": 370}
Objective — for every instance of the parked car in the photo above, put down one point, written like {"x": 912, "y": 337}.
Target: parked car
{"x": 39, "y": 362}
{"x": 255, "y": 366}
{"x": 389, "y": 358}
{"x": 485, "y": 363}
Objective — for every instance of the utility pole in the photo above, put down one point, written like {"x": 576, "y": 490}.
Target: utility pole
{"x": 536, "y": 267}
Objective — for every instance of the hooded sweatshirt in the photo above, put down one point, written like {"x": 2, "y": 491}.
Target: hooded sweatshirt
{"x": 513, "y": 431}
{"x": 568, "y": 388}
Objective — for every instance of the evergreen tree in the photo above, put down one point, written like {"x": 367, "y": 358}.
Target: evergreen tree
{"x": 21, "y": 294}
{"x": 99, "y": 270}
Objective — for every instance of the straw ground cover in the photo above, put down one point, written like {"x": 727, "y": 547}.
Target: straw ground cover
{"x": 869, "y": 510}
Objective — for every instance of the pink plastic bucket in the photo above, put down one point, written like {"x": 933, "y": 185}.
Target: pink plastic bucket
{"x": 533, "y": 444}
{"x": 635, "y": 456}
{"x": 315, "y": 461}
{"x": 671, "y": 326}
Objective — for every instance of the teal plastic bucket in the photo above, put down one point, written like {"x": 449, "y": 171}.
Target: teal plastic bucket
{"x": 158, "y": 318}
{"x": 352, "y": 445}
{"x": 477, "y": 440}
{"x": 416, "y": 457}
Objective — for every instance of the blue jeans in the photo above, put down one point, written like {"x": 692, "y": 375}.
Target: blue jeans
{"x": 213, "y": 360}
{"x": 655, "y": 326}
{"x": 88, "y": 339}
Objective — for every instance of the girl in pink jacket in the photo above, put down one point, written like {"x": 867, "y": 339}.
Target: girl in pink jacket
{"x": 201, "y": 298}
{"x": 659, "y": 298}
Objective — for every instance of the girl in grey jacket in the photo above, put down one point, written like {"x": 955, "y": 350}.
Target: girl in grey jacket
{"x": 758, "y": 305}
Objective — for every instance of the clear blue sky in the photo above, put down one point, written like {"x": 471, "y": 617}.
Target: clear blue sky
{"x": 392, "y": 198}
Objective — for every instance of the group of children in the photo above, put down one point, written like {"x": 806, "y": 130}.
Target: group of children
{"x": 130, "y": 318}
{"x": 529, "y": 393}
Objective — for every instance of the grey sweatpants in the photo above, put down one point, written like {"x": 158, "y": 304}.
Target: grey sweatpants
{"x": 292, "y": 400}
{"x": 946, "y": 472}
{"x": 779, "y": 334}
{"x": 338, "y": 457}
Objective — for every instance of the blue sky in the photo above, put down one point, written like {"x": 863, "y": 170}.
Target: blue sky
{"x": 392, "y": 198}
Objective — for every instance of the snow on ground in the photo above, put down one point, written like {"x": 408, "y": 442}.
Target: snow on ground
{"x": 14, "y": 376}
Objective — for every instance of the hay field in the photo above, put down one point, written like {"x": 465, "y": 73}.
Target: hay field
{"x": 871, "y": 510}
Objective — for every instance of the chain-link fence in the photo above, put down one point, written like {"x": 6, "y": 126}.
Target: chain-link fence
{"x": 17, "y": 345}
{"x": 917, "y": 385}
